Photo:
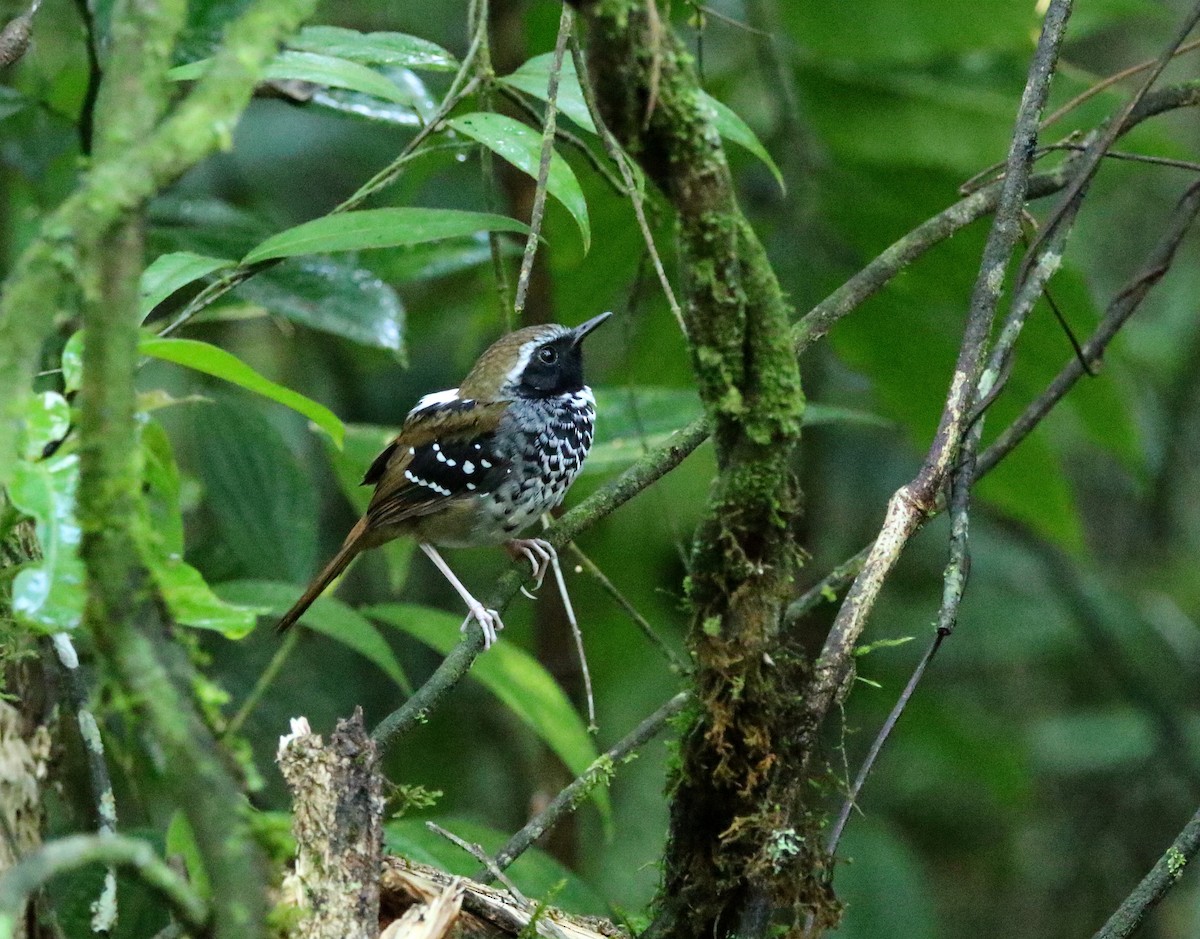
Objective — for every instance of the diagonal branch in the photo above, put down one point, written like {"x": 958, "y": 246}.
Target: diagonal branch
{"x": 912, "y": 503}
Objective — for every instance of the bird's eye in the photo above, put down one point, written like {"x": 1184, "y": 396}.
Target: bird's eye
{"x": 547, "y": 355}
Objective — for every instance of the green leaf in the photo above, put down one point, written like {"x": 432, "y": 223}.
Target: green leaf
{"x": 260, "y": 508}
{"x": 323, "y": 70}
{"x": 181, "y": 843}
{"x": 377, "y": 228}
{"x": 44, "y": 418}
{"x": 363, "y": 443}
{"x": 327, "y": 615}
{"x": 333, "y": 296}
{"x": 535, "y": 872}
{"x": 513, "y": 676}
{"x": 48, "y": 594}
{"x": 214, "y": 361}
{"x": 169, "y": 272}
{"x": 72, "y": 362}
{"x": 521, "y": 146}
{"x": 395, "y": 49}
{"x": 533, "y": 78}
{"x": 193, "y": 603}
{"x": 733, "y": 128}
{"x": 159, "y": 532}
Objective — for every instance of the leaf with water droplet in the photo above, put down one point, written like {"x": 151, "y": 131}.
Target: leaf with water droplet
{"x": 521, "y": 146}
{"x": 398, "y": 49}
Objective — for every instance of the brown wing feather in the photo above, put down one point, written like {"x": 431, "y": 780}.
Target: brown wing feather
{"x": 396, "y": 498}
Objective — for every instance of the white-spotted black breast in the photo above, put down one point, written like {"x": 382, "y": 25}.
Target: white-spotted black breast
{"x": 547, "y": 440}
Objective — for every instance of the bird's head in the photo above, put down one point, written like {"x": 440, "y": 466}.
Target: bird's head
{"x": 534, "y": 362}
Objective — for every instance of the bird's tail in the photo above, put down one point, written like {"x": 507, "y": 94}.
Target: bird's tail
{"x": 349, "y": 549}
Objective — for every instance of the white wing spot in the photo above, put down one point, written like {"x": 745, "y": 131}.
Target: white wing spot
{"x": 440, "y": 456}
{"x": 485, "y": 464}
{"x": 437, "y": 447}
{"x": 450, "y": 463}
{"x": 471, "y": 486}
{"x": 468, "y": 467}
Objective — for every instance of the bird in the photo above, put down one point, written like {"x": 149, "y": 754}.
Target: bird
{"x": 477, "y": 464}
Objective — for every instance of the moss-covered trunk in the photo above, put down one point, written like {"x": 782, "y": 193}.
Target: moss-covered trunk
{"x": 735, "y": 852}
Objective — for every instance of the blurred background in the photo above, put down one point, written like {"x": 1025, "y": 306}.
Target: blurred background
{"x": 1052, "y": 751}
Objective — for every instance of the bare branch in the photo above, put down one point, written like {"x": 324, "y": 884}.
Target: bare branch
{"x": 911, "y": 503}
{"x": 578, "y": 789}
{"x": 566, "y": 18}
{"x": 1154, "y": 886}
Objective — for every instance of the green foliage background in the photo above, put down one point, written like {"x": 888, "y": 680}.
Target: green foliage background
{"x": 1051, "y": 752}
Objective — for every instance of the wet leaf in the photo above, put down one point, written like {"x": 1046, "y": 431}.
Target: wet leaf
{"x": 323, "y": 70}
{"x": 396, "y": 49}
{"x": 377, "y": 228}
{"x": 521, "y": 146}
{"x": 333, "y": 296}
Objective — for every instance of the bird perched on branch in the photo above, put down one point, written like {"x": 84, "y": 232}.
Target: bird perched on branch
{"x": 477, "y": 464}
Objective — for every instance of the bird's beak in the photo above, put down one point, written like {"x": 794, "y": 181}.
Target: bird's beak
{"x": 583, "y": 329}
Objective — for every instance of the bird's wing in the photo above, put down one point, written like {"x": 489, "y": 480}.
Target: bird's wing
{"x": 444, "y": 453}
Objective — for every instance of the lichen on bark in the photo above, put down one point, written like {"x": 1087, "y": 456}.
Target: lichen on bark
{"x": 741, "y": 844}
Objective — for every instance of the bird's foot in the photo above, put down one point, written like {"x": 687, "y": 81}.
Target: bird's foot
{"x": 537, "y": 551}
{"x": 489, "y": 621}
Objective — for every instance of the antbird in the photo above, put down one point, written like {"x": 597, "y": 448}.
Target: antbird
{"x": 477, "y": 464}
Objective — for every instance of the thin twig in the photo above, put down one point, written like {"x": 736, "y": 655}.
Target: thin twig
{"x": 1154, "y": 886}
{"x": 522, "y": 104}
{"x": 678, "y": 666}
{"x": 1119, "y": 311}
{"x": 1068, "y": 205}
{"x": 1110, "y": 81}
{"x": 578, "y": 789}
{"x": 911, "y": 504}
{"x": 578, "y": 636}
{"x": 1122, "y": 307}
{"x": 851, "y": 803}
{"x": 566, "y": 18}
{"x": 476, "y": 851}
{"x": 625, "y": 168}
{"x": 268, "y": 676}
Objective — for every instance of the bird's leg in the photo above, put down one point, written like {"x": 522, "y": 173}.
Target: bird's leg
{"x": 489, "y": 620}
{"x": 537, "y": 551}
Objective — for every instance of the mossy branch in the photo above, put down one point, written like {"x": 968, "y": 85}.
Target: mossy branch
{"x": 744, "y": 554}
{"x": 43, "y": 283}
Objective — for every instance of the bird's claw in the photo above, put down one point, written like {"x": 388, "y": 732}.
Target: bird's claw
{"x": 489, "y": 622}
{"x": 538, "y": 552}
